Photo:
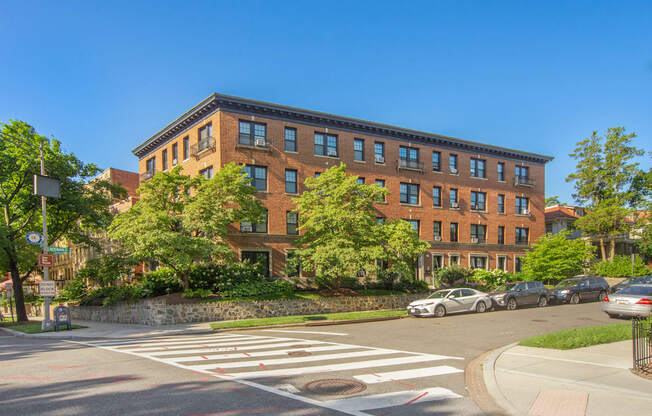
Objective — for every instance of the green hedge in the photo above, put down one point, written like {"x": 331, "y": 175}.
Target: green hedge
{"x": 621, "y": 267}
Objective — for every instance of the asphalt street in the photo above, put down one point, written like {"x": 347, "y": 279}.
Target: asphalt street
{"x": 412, "y": 366}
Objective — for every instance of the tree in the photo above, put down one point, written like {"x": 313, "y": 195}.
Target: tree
{"x": 82, "y": 208}
{"x": 555, "y": 257}
{"x": 603, "y": 177}
{"x": 341, "y": 234}
{"x": 180, "y": 220}
{"x": 552, "y": 201}
{"x": 108, "y": 268}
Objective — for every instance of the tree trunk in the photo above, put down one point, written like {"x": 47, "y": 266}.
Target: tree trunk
{"x": 19, "y": 299}
{"x": 612, "y": 249}
{"x": 184, "y": 280}
{"x": 602, "y": 249}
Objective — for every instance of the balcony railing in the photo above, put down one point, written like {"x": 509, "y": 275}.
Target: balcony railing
{"x": 523, "y": 181}
{"x": 204, "y": 145}
{"x": 410, "y": 164}
{"x": 144, "y": 177}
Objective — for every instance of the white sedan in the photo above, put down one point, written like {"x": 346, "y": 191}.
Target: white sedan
{"x": 443, "y": 302}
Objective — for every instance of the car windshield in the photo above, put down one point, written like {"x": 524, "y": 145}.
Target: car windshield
{"x": 636, "y": 290}
{"x": 635, "y": 280}
{"x": 439, "y": 294}
{"x": 567, "y": 283}
{"x": 506, "y": 286}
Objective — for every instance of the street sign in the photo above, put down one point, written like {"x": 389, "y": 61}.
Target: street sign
{"x": 34, "y": 238}
{"x": 46, "y": 260}
{"x": 47, "y": 288}
{"x": 59, "y": 249}
{"x": 46, "y": 186}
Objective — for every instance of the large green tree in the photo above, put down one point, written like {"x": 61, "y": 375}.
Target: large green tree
{"x": 340, "y": 231}
{"x": 603, "y": 180}
{"x": 554, "y": 257}
{"x": 82, "y": 209}
{"x": 181, "y": 220}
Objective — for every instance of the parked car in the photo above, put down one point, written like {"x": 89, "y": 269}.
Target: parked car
{"x": 635, "y": 300}
{"x": 443, "y": 302}
{"x": 580, "y": 288}
{"x": 642, "y": 280}
{"x": 515, "y": 294}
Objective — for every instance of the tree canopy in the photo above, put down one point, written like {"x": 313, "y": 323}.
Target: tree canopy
{"x": 554, "y": 257}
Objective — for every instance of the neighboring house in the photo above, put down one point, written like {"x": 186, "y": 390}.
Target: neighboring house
{"x": 477, "y": 204}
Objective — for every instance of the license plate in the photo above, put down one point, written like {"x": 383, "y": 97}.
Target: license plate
{"x": 622, "y": 302}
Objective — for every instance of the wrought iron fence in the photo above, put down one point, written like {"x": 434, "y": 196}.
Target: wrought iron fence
{"x": 642, "y": 345}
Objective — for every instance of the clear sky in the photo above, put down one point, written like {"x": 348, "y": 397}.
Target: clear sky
{"x": 104, "y": 76}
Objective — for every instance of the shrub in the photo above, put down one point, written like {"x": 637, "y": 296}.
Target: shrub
{"x": 161, "y": 282}
{"x": 620, "y": 267}
{"x": 106, "y": 296}
{"x": 491, "y": 278}
{"x": 411, "y": 286}
{"x": 449, "y": 275}
{"x": 260, "y": 288}
{"x": 73, "y": 291}
{"x": 223, "y": 276}
{"x": 197, "y": 293}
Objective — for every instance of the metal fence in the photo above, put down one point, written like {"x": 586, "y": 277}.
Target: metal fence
{"x": 642, "y": 345}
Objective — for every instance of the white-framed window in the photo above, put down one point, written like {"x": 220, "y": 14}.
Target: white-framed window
{"x": 479, "y": 261}
{"x": 501, "y": 263}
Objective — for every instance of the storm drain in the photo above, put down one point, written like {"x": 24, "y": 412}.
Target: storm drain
{"x": 299, "y": 353}
{"x": 335, "y": 387}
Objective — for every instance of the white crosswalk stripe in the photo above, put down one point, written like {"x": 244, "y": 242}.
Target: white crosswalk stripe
{"x": 242, "y": 358}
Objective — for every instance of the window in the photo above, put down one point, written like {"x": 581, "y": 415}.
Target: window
{"x": 501, "y": 172}
{"x": 292, "y": 264}
{"x": 317, "y": 174}
{"x": 409, "y": 157}
{"x": 437, "y": 261}
{"x": 478, "y": 200}
{"x": 518, "y": 263}
{"x": 409, "y": 193}
{"x": 452, "y": 164}
{"x": 478, "y": 233}
{"x": 502, "y": 263}
{"x": 207, "y": 173}
{"x": 291, "y": 181}
{"x": 290, "y": 139}
{"x": 292, "y": 222}
{"x": 248, "y": 227}
{"x": 453, "y": 198}
{"x": 380, "y": 183}
{"x": 501, "y": 204}
{"x": 379, "y": 152}
{"x": 522, "y": 174}
{"x": 252, "y": 134}
{"x": 436, "y": 166}
{"x": 478, "y": 262}
{"x": 257, "y": 257}
{"x": 186, "y": 147}
{"x": 453, "y": 259}
{"x": 360, "y": 180}
{"x": 436, "y": 230}
{"x": 549, "y": 228}
{"x": 175, "y": 154}
{"x": 151, "y": 166}
{"x": 478, "y": 168}
{"x": 453, "y": 232}
{"x": 415, "y": 225}
{"x": 522, "y": 235}
{"x": 522, "y": 205}
{"x": 436, "y": 196}
{"x": 205, "y": 136}
{"x": 358, "y": 150}
{"x": 501, "y": 234}
{"x": 326, "y": 144}
{"x": 258, "y": 175}
{"x": 380, "y": 220}
{"x": 164, "y": 159}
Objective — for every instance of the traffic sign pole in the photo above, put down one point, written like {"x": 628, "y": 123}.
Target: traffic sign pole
{"x": 46, "y": 324}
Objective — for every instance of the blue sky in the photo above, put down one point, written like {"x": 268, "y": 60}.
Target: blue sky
{"x": 104, "y": 76}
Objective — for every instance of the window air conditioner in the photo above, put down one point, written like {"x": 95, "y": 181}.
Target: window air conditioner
{"x": 475, "y": 240}
{"x": 437, "y": 238}
{"x": 455, "y": 205}
{"x": 453, "y": 170}
{"x": 332, "y": 153}
{"x": 380, "y": 159}
{"x": 261, "y": 142}
{"x": 526, "y": 212}
{"x": 246, "y": 228}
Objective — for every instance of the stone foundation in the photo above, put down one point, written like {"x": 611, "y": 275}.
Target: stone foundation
{"x": 158, "y": 312}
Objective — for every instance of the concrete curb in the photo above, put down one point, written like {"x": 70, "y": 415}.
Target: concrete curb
{"x": 489, "y": 376}
{"x": 309, "y": 324}
{"x": 67, "y": 336}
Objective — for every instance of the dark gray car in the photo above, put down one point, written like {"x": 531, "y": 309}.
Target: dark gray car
{"x": 580, "y": 288}
{"x": 515, "y": 294}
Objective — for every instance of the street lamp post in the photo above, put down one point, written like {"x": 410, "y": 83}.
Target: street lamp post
{"x": 46, "y": 324}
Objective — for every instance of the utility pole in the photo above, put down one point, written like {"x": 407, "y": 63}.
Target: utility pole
{"x": 46, "y": 324}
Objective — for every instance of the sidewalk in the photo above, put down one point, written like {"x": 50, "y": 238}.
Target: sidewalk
{"x": 592, "y": 381}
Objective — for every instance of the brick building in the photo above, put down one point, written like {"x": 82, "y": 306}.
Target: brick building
{"x": 478, "y": 205}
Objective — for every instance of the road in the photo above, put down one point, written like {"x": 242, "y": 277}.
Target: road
{"x": 405, "y": 367}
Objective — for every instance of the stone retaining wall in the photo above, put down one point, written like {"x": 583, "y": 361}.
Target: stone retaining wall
{"x": 158, "y": 312}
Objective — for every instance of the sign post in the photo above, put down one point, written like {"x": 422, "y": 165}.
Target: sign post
{"x": 9, "y": 290}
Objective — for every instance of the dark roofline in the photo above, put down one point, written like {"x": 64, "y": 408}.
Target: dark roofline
{"x": 216, "y": 102}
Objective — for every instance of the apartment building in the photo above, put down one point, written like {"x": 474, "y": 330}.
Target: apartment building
{"x": 478, "y": 205}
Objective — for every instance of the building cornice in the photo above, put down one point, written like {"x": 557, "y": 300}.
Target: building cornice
{"x": 217, "y": 102}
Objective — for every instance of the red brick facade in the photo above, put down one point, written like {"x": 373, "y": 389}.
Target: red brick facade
{"x": 224, "y": 114}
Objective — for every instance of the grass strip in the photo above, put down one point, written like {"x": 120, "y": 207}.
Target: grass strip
{"x": 569, "y": 339}
{"x": 33, "y": 327}
{"x": 298, "y": 319}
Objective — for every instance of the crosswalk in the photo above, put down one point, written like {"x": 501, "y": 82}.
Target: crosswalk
{"x": 391, "y": 377}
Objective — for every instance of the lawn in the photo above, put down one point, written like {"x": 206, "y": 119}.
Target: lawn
{"x": 298, "y": 319}
{"x": 31, "y": 327}
{"x": 569, "y": 339}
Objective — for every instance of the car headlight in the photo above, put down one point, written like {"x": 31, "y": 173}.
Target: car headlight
{"x": 565, "y": 291}
{"x": 499, "y": 296}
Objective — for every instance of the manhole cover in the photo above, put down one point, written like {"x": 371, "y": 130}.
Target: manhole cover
{"x": 299, "y": 353}
{"x": 335, "y": 387}
{"x": 539, "y": 320}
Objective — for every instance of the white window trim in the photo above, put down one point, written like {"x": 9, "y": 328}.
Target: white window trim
{"x": 459, "y": 258}
{"x": 506, "y": 257}
{"x": 443, "y": 258}
{"x": 486, "y": 257}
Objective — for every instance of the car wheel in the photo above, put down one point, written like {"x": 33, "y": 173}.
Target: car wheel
{"x": 575, "y": 299}
{"x": 440, "y": 311}
{"x": 543, "y": 301}
{"x": 603, "y": 294}
{"x": 480, "y": 307}
{"x": 511, "y": 304}
{"x": 612, "y": 316}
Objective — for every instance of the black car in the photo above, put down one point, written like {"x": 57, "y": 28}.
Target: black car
{"x": 642, "y": 280}
{"x": 580, "y": 288}
{"x": 515, "y": 294}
